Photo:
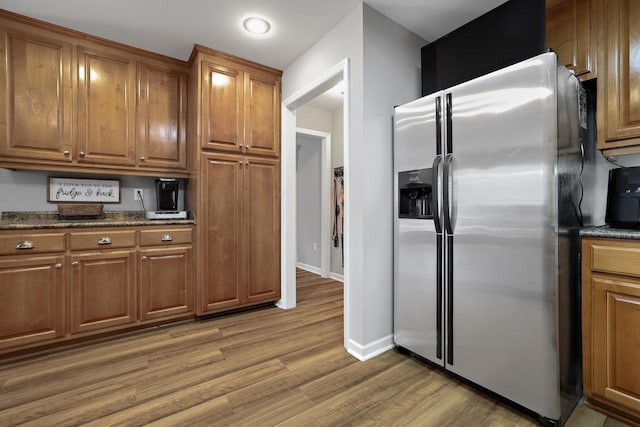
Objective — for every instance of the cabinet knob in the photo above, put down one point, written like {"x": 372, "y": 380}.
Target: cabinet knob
{"x": 25, "y": 244}
{"x": 142, "y": 158}
{"x": 104, "y": 241}
{"x": 247, "y": 163}
{"x": 75, "y": 264}
{"x": 248, "y": 146}
{"x": 66, "y": 152}
{"x": 240, "y": 146}
{"x": 81, "y": 154}
{"x": 144, "y": 258}
{"x": 167, "y": 238}
{"x": 58, "y": 266}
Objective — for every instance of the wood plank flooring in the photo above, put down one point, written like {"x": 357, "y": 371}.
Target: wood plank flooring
{"x": 260, "y": 368}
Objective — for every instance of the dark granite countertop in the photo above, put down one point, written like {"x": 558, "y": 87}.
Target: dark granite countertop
{"x": 606, "y": 232}
{"x": 46, "y": 219}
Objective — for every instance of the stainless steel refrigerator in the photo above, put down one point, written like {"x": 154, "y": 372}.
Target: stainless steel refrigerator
{"x": 487, "y": 197}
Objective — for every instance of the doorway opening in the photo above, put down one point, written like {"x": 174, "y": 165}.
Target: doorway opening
{"x": 328, "y": 80}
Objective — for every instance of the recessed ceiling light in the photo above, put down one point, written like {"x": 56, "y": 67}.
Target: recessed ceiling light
{"x": 256, "y": 25}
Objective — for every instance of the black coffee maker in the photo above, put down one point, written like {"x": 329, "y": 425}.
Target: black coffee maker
{"x": 167, "y": 194}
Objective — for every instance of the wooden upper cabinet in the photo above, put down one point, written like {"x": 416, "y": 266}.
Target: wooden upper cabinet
{"x": 262, "y": 113}
{"x": 106, "y": 107}
{"x": 35, "y": 110}
{"x": 222, "y": 107}
{"x": 162, "y": 117}
{"x": 572, "y": 32}
{"x": 240, "y": 105}
{"x": 619, "y": 78}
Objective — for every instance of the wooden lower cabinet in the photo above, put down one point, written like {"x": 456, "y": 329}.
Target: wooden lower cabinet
{"x": 102, "y": 290}
{"x": 240, "y": 256}
{"x": 166, "y": 282}
{"x": 32, "y": 298}
{"x": 611, "y": 326}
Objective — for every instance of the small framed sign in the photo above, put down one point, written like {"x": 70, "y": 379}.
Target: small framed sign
{"x": 65, "y": 190}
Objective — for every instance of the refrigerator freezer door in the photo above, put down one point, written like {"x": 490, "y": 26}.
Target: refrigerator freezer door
{"x": 504, "y": 220}
{"x": 417, "y": 263}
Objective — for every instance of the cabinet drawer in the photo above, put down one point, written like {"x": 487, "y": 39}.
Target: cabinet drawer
{"x": 618, "y": 259}
{"x": 173, "y": 236}
{"x": 107, "y": 239}
{"x": 30, "y": 243}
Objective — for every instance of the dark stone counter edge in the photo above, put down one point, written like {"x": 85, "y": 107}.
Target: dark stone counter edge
{"x": 606, "y": 232}
{"x": 44, "y": 220}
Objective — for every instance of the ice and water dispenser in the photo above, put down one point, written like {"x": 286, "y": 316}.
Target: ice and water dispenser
{"x": 415, "y": 194}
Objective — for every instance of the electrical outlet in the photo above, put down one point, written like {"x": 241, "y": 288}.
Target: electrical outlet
{"x": 137, "y": 192}
{"x": 315, "y": 246}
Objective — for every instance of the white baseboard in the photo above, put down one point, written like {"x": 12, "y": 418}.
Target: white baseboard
{"x": 309, "y": 268}
{"x": 338, "y": 277}
{"x": 371, "y": 350}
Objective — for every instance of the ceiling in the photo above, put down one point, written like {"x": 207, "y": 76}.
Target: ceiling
{"x": 172, "y": 27}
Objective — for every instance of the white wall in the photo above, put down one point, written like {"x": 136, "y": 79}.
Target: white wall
{"x": 392, "y": 77}
{"x": 391, "y": 57}
{"x": 23, "y": 190}
{"x": 309, "y": 206}
{"x": 314, "y": 119}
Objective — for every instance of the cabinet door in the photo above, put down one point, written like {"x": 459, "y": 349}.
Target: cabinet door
{"x": 571, "y": 30}
{"x": 31, "y": 300}
{"x": 162, "y": 117}
{"x": 106, "y": 108}
{"x": 222, "y": 107}
{"x": 102, "y": 290}
{"x": 221, "y": 274}
{"x": 166, "y": 285}
{"x": 262, "y": 113}
{"x": 35, "y": 110}
{"x": 262, "y": 229}
{"x": 619, "y": 82}
{"x": 615, "y": 335}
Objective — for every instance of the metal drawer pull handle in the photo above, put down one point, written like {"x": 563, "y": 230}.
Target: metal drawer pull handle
{"x": 58, "y": 266}
{"x": 104, "y": 241}
{"x": 144, "y": 258}
{"x": 166, "y": 238}
{"x": 25, "y": 244}
{"x": 75, "y": 264}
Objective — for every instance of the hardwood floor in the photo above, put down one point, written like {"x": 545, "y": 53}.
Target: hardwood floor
{"x": 259, "y": 368}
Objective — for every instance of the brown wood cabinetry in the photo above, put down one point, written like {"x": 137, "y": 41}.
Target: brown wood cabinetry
{"x": 619, "y": 78}
{"x": 32, "y": 298}
{"x": 36, "y": 106}
{"x": 236, "y": 107}
{"x": 240, "y": 108}
{"x": 162, "y": 116}
{"x": 32, "y": 288}
{"x": 106, "y": 107}
{"x": 166, "y": 274}
{"x": 611, "y": 326}
{"x": 64, "y": 284}
{"x": 102, "y": 290}
{"x": 83, "y": 104}
{"x": 572, "y": 33}
{"x": 241, "y": 244}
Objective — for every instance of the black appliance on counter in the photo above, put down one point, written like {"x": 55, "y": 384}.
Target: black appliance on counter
{"x": 623, "y": 198}
{"x": 167, "y": 200}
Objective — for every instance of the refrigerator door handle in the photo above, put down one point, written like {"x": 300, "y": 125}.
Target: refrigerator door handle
{"x": 447, "y": 184}
{"x": 439, "y": 295}
{"x": 436, "y": 193}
